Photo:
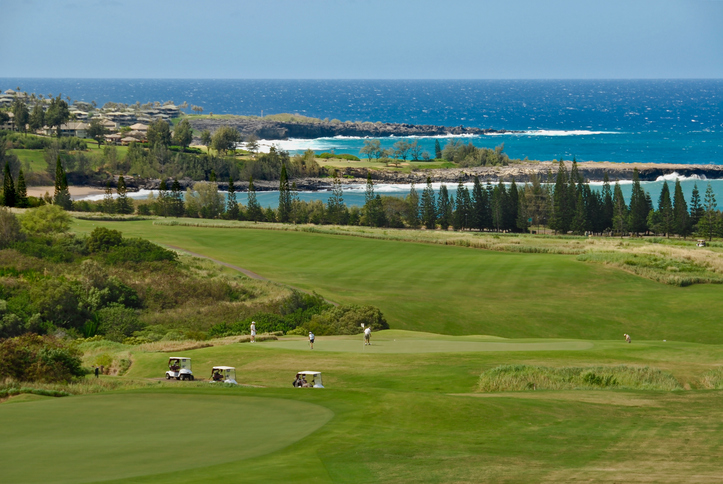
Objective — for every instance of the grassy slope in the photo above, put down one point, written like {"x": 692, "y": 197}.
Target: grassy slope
{"x": 455, "y": 290}
{"x": 396, "y": 419}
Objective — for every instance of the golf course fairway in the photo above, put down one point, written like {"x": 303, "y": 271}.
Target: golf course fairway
{"x": 101, "y": 437}
{"x": 457, "y": 290}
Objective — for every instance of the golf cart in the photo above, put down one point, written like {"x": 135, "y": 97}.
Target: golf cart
{"x": 701, "y": 243}
{"x": 179, "y": 367}
{"x": 223, "y": 374}
{"x": 313, "y": 378}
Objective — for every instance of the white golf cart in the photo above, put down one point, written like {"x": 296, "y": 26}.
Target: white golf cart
{"x": 313, "y": 378}
{"x": 179, "y": 367}
{"x": 223, "y": 374}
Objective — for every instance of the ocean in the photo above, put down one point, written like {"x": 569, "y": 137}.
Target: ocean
{"x": 624, "y": 121}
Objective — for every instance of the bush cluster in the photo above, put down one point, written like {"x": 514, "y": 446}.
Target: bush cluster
{"x": 31, "y": 357}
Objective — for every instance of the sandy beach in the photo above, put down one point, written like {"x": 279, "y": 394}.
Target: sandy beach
{"x": 76, "y": 193}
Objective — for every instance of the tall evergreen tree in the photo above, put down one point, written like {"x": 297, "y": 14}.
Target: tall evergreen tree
{"x": 489, "y": 223}
{"x": 335, "y": 205}
{"x": 638, "y": 206}
{"x": 232, "y": 210}
{"x": 579, "y": 221}
{"x": 62, "y": 194}
{"x": 21, "y": 191}
{"x": 429, "y": 206}
{"x": 607, "y": 205}
{"x": 620, "y": 211}
{"x": 561, "y": 215}
{"x": 412, "y": 212}
{"x": 284, "y": 197}
{"x": 696, "y": 208}
{"x": 512, "y": 206}
{"x": 499, "y": 204}
{"x": 479, "y": 205}
{"x": 444, "y": 208}
{"x": 176, "y": 206}
{"x": 254, "y": 209}
{"x": 163, "y": 201}
{"x": 708, "y": 223}
{"x": 681, "y": 220}
{"x": 437, "y": 150}
{"x": 9, "y": 195}
{"x": 123, "y": 204}
{"x": 108, "y": 205}
{"x": 665, "y": 208}
{"x": 373, "y": 212}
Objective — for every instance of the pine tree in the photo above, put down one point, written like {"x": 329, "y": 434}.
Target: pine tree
{"x": 123, "y": 204}
{"x": 579, "y": 221}
{"x": 412, "y": 212}
{"x": 561, "y": 216}
{"x": 638, "y": 206}
{"x": 665, "y": 208}
{"x": 696, "y": 209}
{"x": 607, "y": 205}
{"x": 372, "y": 205}
{"x": 513, "y": 206}
{"x": 708, "y": 223}
{"x": 437, "y": 150}
{"x": 254, "y": 209}
{"x": 21, "y": 191}
{"x": 176, "y": 207}
{"x": 335, "y": 205}
{"x": 681, "y": 220}
{"x": 620, "y": 211}
{"x": 429, "y": 206}
{"x": 232, "y": 211}
{"x": 62, "y": 194}
{"x": 479, "y": 205}
{"x": 162, "y": 205}
{"x": 284, "y": 197}
{"x": 108, "y": 205}
{"x": 498, "y": 202}
{"x": 444, "y": 208}
{"x": 489, "y": 223}
{"x": 9, "y": 195}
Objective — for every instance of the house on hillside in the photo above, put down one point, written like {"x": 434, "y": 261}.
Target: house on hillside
{"x": 9, "y": 124}
{"x": 71, "y": 128}
{"x": 143, "y": 128}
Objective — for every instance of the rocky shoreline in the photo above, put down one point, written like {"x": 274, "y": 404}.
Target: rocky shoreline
{"x": 591, "y": 171}
{"x": 276, "y": 130}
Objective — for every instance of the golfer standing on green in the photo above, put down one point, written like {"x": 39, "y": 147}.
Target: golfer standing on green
{"x": 367, "y": 336}
{"x": 311, "y": 340}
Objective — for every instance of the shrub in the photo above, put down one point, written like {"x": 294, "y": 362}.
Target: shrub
{"x": 9, "y": 228}
{"x": 39, "y": 358}
{"x": 117, "y": 322}
{"x": 102, "y": 238}
{"x": 346, "y": 320}
{"x": 137, "y": 250}
{"x": 46, "y": 219}
{"x": 342, "y": 156}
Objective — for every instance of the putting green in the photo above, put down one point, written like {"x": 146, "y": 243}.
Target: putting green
{"x": 101, "y": 437}
{"x": 404, "y": 345}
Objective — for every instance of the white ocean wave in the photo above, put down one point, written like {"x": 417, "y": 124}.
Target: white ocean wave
{"x": 674, "y": 176}
{"x": 139, "y": 195}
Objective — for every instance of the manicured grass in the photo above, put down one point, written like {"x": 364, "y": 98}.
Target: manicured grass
{"x": 397, "y": 417}
{"x": 35, "y": 158}
{"x": 112, "y": 436}
{"x": 457, "y": 290}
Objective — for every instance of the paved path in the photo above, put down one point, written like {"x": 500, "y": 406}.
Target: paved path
{"x": 246, "y": 272}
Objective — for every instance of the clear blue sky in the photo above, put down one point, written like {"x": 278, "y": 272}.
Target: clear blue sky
{"x": 362, "y": 39}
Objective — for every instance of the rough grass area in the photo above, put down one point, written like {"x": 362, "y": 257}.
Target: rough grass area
{"x": 712, "y": 379}
{"x": 676, "y": 271}
{"x": 508, "y": 378}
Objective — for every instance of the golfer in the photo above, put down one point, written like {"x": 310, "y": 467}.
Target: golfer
{"x": 253, "y": 331}
{"x": 311, "y": 340}
{"x": 367, "y": 336}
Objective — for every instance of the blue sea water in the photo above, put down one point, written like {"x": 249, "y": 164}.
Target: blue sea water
{"x": 648, "y": 121}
